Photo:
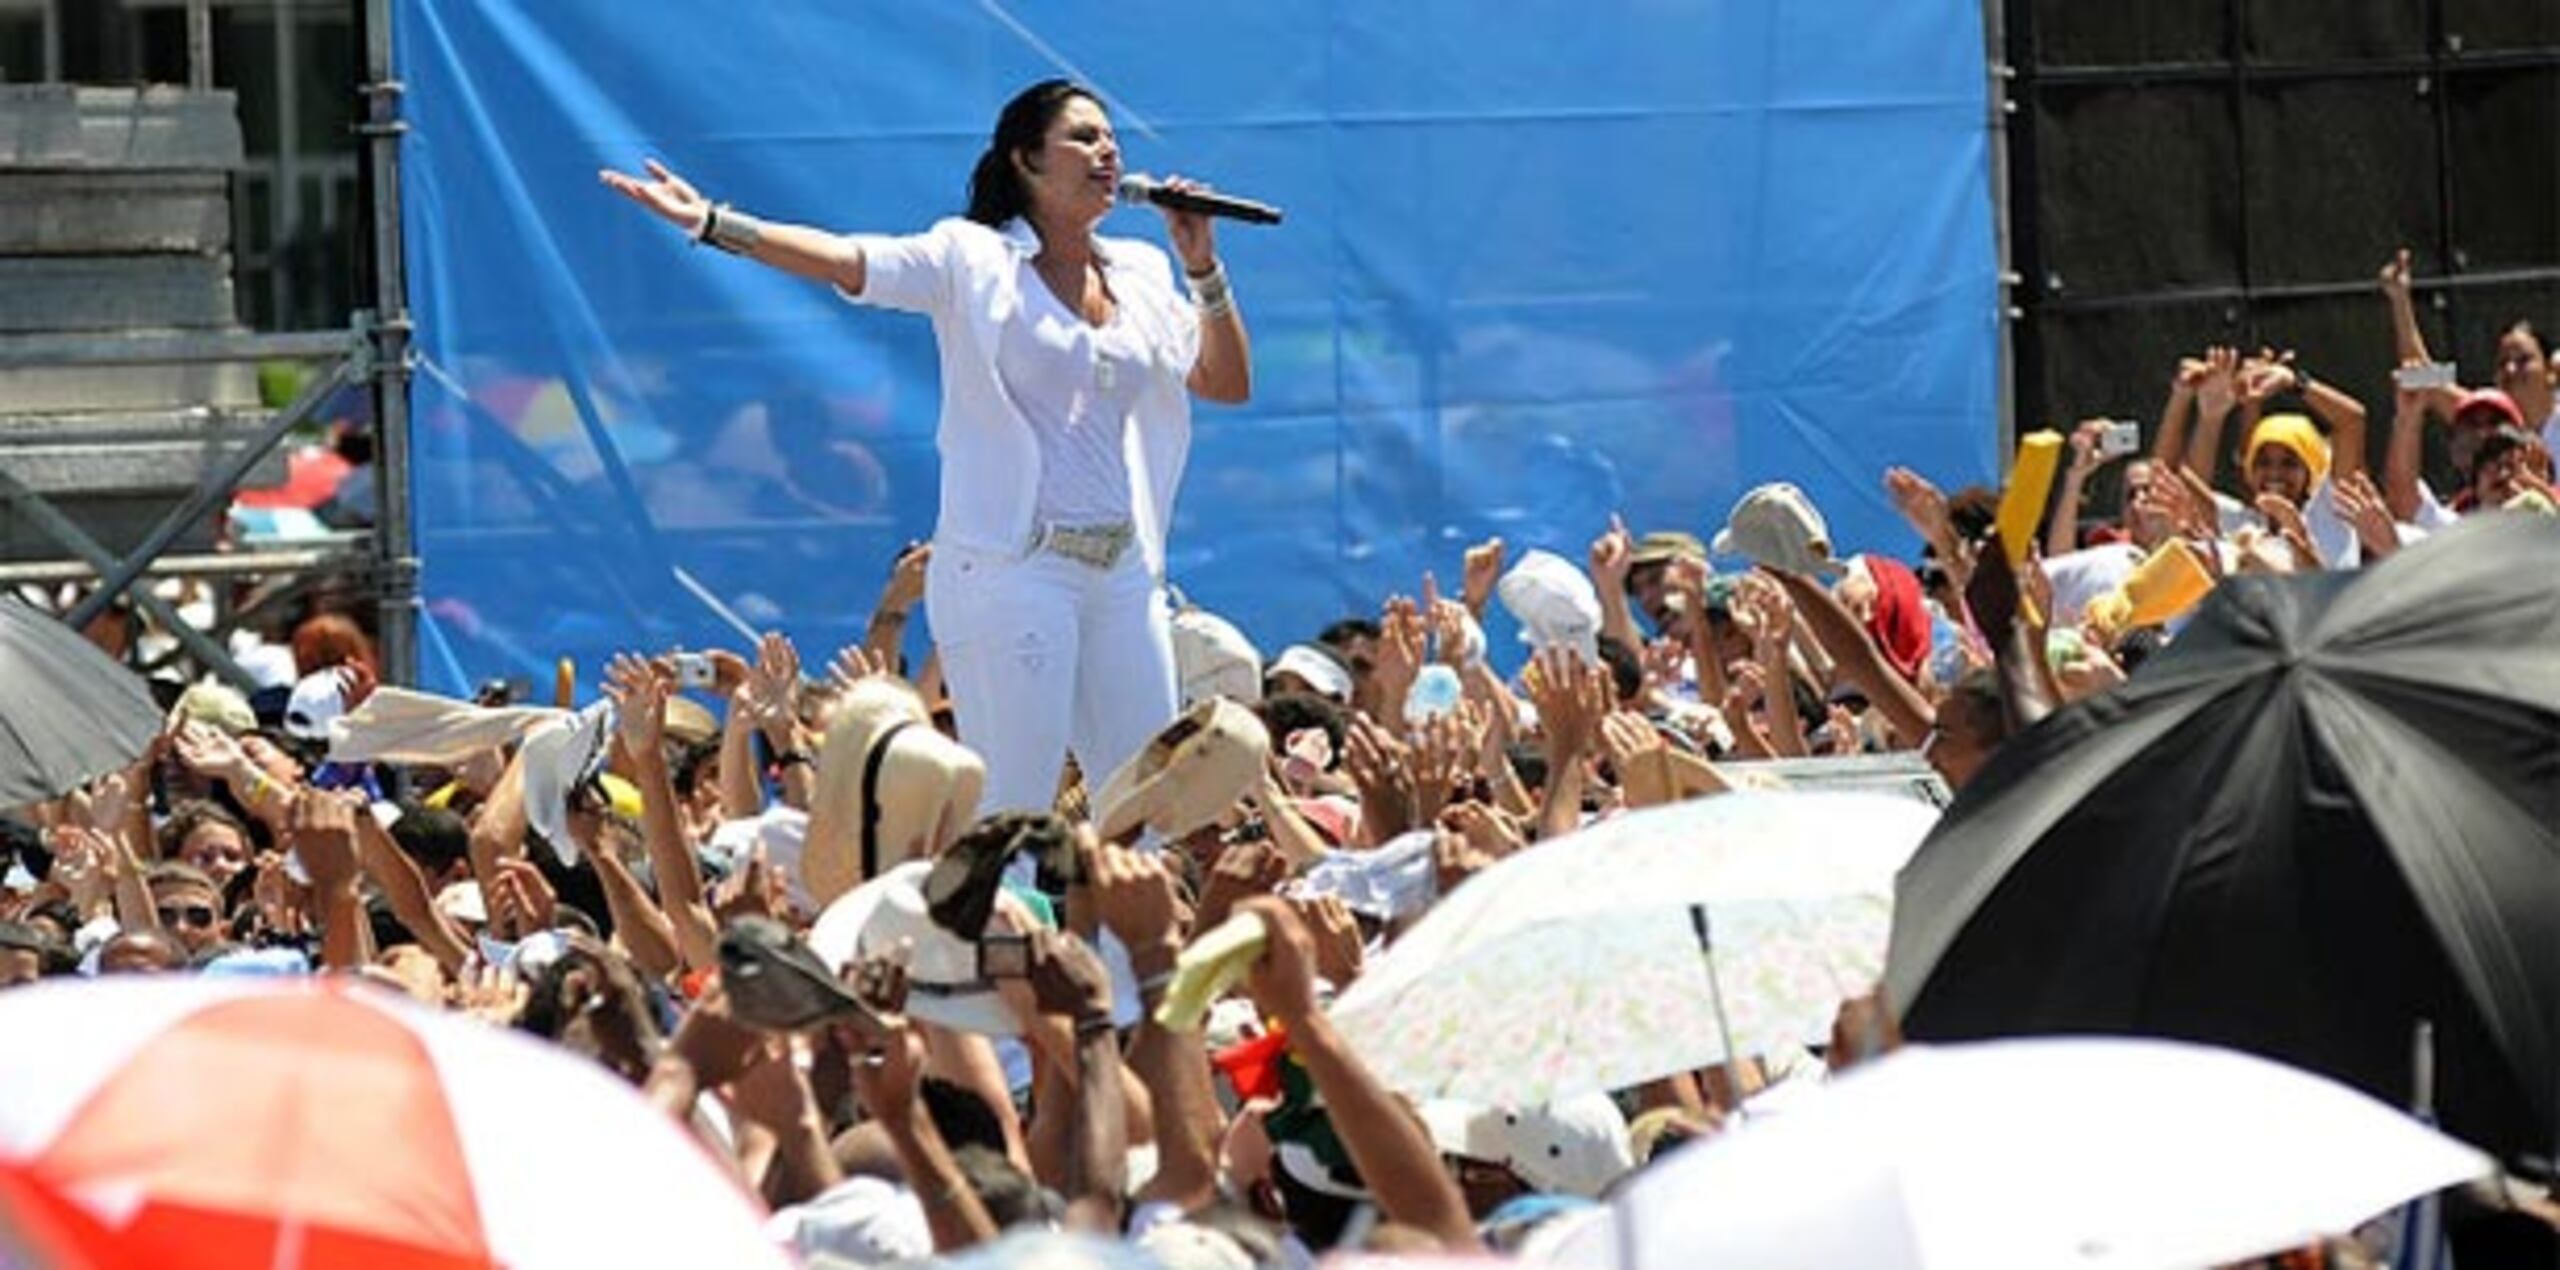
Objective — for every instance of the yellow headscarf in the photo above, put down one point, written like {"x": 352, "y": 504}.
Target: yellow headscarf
{"x": 2296, "y": 433}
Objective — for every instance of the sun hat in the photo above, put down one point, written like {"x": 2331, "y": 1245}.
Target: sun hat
{"x": 1189, "y": 775}
{"x": 889, "y": 788}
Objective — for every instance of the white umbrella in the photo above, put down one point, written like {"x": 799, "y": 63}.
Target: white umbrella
{"x": 2104, "y": 1153}
{"x": 1657, "y": 942}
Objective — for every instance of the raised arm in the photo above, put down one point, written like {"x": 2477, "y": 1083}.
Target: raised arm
{"x": 1386, "y": 1143}
{"x": 2408, "y": 343}
{"x": 2216, "y": 393}
{"x": 404, "y": 887}
{"x": 2169, "y": 441}
{"x": 1861, "y": 662}
{"x": 1134, "y": 897}
{"x": 1224, "y": 372}
{"x": 2346, "y": 420}
{"x": 639, "y": 691}
{"x": 2400, "y": 459}
{"x": 2063, "y": 537}
{"x": 798, "y": 250}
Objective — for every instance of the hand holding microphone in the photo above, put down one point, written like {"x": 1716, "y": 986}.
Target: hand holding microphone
{"x": 1138, "y": 187}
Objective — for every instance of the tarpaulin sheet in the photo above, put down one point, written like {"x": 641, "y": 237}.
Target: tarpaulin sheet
{"x": 1543, "y": 261}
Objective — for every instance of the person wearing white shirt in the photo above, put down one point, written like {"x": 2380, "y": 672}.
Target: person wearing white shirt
{"x": 2288, "y": 459}
{"x": 1068, "y": 363}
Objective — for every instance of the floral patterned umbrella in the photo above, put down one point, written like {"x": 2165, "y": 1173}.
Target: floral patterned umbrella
{"x": 1657, "y": 942}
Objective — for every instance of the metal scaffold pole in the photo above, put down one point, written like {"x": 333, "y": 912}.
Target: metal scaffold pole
{"x": 396, "y": 565}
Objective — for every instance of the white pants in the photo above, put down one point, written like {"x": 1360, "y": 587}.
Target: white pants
{"x": 1044, "y": 655}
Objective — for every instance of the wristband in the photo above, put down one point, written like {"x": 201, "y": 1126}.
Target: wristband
{"x": 1091, "y": 1027}
{"x": 730, "y": 230}
{"x": 789, "y": 758}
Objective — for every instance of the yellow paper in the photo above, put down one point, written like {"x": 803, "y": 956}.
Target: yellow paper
{"x": 1212, "y": 964}
{"x": 2030, "y": 480}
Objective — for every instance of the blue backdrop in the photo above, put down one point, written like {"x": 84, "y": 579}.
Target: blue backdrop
{"x": 1542, "y": 261}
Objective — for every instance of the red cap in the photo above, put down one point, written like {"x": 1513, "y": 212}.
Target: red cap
{"x": 2490, "y": 399}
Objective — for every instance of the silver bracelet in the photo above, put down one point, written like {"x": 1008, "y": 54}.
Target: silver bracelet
{"x": 1209, "y": 290}
{"x": 730, "y": 230}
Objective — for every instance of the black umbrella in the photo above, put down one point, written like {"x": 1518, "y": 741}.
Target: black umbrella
{"x": 2327, "y": 812}
{"x": 68, "y": 713}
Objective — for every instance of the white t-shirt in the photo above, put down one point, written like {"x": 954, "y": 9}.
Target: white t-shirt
{"x": 2081, "y": 576}
{"x": 1075, "y": 384}
{"x": 2330, "y": 531}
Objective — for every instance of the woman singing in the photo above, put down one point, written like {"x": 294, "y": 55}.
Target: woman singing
{"x": 1067, "y": 363}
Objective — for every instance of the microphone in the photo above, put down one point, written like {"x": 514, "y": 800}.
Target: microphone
{"x": 1138, "y": 187}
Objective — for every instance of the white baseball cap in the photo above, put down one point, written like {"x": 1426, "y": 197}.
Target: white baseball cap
{"x": 1214, "y": 659}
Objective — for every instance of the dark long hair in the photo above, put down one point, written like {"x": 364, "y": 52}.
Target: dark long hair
{"x": 995, "y": 188}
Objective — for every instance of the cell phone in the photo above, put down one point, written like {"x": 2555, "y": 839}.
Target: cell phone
{"x": 2119, "y": 438}
{"x": 1004, "y": 957}
{"x": 693, "y": 670}
{"x": 2423, "y": 376}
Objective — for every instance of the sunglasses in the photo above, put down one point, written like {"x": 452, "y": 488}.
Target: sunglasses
{"x": 193, "y": 916}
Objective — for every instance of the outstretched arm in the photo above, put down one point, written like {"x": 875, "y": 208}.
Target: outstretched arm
{"x": 798, "y": 250}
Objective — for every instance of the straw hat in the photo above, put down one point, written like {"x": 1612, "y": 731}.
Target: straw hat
{"x": 1189, "y": 775}
{"x": 884, "y": 774}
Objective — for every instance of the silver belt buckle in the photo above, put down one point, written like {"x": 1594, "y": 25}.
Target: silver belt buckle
{"x": 1099, "y": 546}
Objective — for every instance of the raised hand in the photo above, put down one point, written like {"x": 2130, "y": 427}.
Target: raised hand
{"x": 1402, "y": 635}
{"x": 905, "y": 588}
{"x": 84, "y": 866}
{"x": 2287, "y": 520}
{"x": 1454, "y": 859}
{"x": 322, "y": 831}
{"x": 1068, "y": 980}
{"x": 853, "y": 664}
{"x": 1339, "y": 952}
{"x": 1487, "y": 831}
{"x": 211, "y": 753}
{"x": 639, "y": 692}
{"x": 1483, "y": 568}
{"x": 1437, "y": 760}
{"x": 2395, "y": 277}
{"x": 2220, "y": 387}
{"x": 1133, "y": 895}
{"x": 1243, "y": 871}
{"x": 2267, "y": 374}
{"x": 1571, "y": 696}
{"x": 1637, "y": 752}
{"x": 1195, "y": 238}
{"x": 1612, "y": 555}
{"x": 773, "y": 683}
{"x": 670, "y": 197}
{"x": 1922, "y": 504}
{"x": 2362, "y": 507}
{"x": 2086, "y": 457}
{"x": 1283, "y": 980}
{"x": 1378, "y": 764}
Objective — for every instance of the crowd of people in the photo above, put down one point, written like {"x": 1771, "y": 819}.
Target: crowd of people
{"x": 965, "y": 918}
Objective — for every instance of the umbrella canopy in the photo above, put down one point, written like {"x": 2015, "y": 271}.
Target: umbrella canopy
{"x": 2111, "y": 1154}
{"x": 68, "y": 713}
{"x": 223, "y": 1123}
{"x": 1577, "y": 965}
{"x": 2322, "y": 816}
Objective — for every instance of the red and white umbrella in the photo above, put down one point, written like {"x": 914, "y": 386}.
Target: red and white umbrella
{"x": 221, "y": 1123}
